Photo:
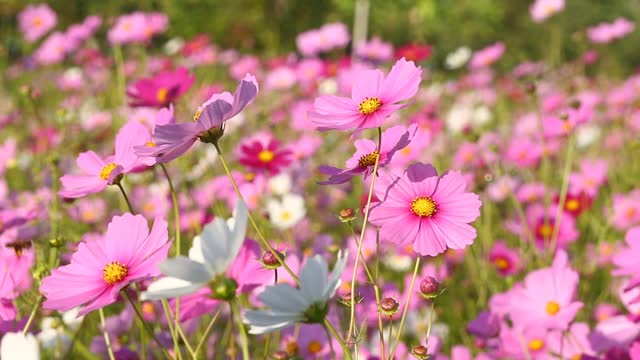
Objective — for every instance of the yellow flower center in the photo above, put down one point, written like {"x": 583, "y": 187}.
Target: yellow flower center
{"x": 501, "y": 263}
{"x": 567, "y": 126}
{"x": 105, "y": 173}
{"x": 536, "y": 344}
{"x": 114, "y": 272}
{"x": 266, "y": 156}
{"x": 249, "y": 176}
{"x": 369, "y": 159}
{"x": 572, "y": 205}
{"x": 291, "y": 348}
{"x": 285, "y": 215}
{"x": 369, "y": 105}
{"x": 150, "y": 144}
{"x": 37, "y": 22}
{"x": 148, "y": 308}
{"x": 576, "y": 357}
{"x": 314, "y": 347}
{"x": 196, "y": 116}
{"x": 423, "y": 206}
{"x": 88, "y": 215}
{"x": 552, "y": 308}
{"x": 545, "y": 230}
{"x": 161, "y": 95}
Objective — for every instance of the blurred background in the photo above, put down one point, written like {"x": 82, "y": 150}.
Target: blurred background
{"x": 270, "y": 27}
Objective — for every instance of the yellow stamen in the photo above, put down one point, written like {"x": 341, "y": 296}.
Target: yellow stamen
{"x": 291, "y": 348}
{"x": 314, "y": 347}
{"x": 150, "y": 144}
{"x": 161, "y": 95}
{"x": 572, "y": 205}
{"x": 536, "y": 344}
{"x": 423, "y": 206}
{"x": 501, "y": 263}
{"x": 105, "y": 173}
{"x": 369, "y": 105}
{"x": 369, "y": 159}
{"x": 545, "y": 230}
{"x": 266, "y": 156}
{"x": 114, "y": 272}
{"x": 552, "y": 308}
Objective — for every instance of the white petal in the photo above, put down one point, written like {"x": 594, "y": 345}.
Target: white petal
{"x": 186, "y": 269}
{"x": 15, "y": 346}
{"x": 169, "y": 287}
{"x": 334, "y": 281}
{"x": 313, "y": 278}
{"x": 263, "y": 322}
{"x": 215, "y": 245}
{"x": 284, "y": 298}
{"x": 195, "y": 253}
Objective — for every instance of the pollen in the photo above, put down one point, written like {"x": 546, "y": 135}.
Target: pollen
{"x": 266, "y": 156}
{"x": 106, "y": 171}
{"x": 572, "y": 205}
{"x": 285, "y": 215}
{"x": 291, "y": 348}
{"x": 150, "y": 144}
{"x": 501, "y": 263}
{"x": 552, "y": 308}
{"x": 114, "y": 272}
{"x": 314, "y": 347}
{"x": 161, "y": 95}
{"x": 369, "y": 105}
{"x": 545, "y": 230}
{"x": 369, "y": 159}
{"x": 196, "y": 116}
{"x": 536, "y": 344}
{"x": 423, "y": 206}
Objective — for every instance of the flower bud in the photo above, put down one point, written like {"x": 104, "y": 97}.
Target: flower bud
{"x": 429, "y": 287}
{"x": 389, "y": 306}
{"x": 420, "y": 352}
{"x": 347, "y": 214}
{"x": 345, "y": 299}
{"x": 270, "y": 261}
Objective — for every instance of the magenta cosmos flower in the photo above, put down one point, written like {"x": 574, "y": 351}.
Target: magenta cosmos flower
{"x": 362, "y": 162}
{"x": 162, "y": 89}
{"x": 373, "y": 98}
{"x": 36, "y": 20}
{"x": 173, "y": 140}
{"x": 626, "y": 261}
{"x": 263, "y": 153}
{"x": 487, "y": 56}
{"x": 97, "y": 172}
{"x": 99, "y": 269}
{"x": 421, "y": 208}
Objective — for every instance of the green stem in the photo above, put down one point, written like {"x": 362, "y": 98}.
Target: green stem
{"x": 107, "y": 341}
{"x": 362, "y": 232}
{"x": 406, "y": 308}
{"x": 345, "y": 350}
{"x": 207, "y": 331}
{"x": 32, "y": 315}
{"x": 333, "y": 351}
{"x": 244, "y": 340}
{"x": 261, "y": 237}
{"x": 136, "y": 309}
{"x": 126, "y": 198}
{"x": 433, "y": 307}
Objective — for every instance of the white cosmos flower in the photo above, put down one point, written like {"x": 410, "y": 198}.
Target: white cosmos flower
{"x": 15, "y": 346}
{"x": 458, "y": 58}
{"x": 308, "y": 303}
{"x": 280, "y": 184}
{"x": 54, "y": 335}
{"x": 210, "y": 256}
{"x": 286, "y": 213}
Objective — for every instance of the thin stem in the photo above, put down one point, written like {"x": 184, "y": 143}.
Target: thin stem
{"x": 107, "y": 341}
{"x": 362, "y": 232}
{"x": 207, "y": 331}
{"x": 390, "y": 328}
{"x": 126, "y": 198}
{"x": 244, "y": 340}
{"x": 267, "y": 342}
{"x": 406, "y": 308}
{"x": 176, "y": 222}
{"x": 345, "y": 350}
{"x": 261, "y": 237}
{"x": 433, "y": 306}
{"x": 145, "y": 324}
{"x": 175, "y": 331}
{"x": 333, "y": 351}
{"x": 563, "y": 193}
{"x": 377, "y": 294}
{"x": 32, "y": 315}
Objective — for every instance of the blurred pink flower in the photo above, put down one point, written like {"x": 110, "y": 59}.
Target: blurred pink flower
{"x": 626, "y": 210}
{"x": 504, "y": 259}
{"x": 99, "y": 269}
{"x": 608, "y": 32}
{"x": 162, "y": 89}
{"x": 487, "y": 56}
{"x": 540, "y": 10}
{"x": 263, "y": 153}
{"x": 375, "y": 50}
{"x": 421, "y": 208}
{"x": 36, "y": 20}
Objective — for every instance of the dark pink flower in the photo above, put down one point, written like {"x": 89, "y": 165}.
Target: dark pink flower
{"x": 263, "y": 153}
{"x": 161, "y": 90}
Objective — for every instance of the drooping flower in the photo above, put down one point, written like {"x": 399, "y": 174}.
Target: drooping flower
{"x": 373, "y": 99}
{"x": 99, "y": 172}
{"x": 430, "y": 212}
{"x": 36, "y": 20}
{"x": 99, "y": 269}
{"x": 362, "y": 162}
{"x": 162, "y": 89}
{"x": 307, "y": 303}
{"x": 211, "y": 255}
{"x": 173, "y": 140}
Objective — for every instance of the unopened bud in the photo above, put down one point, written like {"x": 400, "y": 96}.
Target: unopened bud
{"x": 389, "y": 306}
{"x": 420, "y": 352}
{"x": 270, "y": 261}
{"x": 346, "y": 299}
{"x": 347, "y": 214}
{"x": 429, "y": 287}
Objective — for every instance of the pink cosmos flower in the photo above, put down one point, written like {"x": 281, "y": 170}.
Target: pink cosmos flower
{"x": 99, "y": 269}
{"x": 608, "y": 32}
{"x": 592, "y": 175}
{"x": 530, "y": 343}
{"x": 547, "y": 298}
{"x": 487, "y": 56}
{"x": 541, "y": 223}
{"x": 524, "y": 153}
{"x": 328, "y": 37}
{"x": 373, "y": 99}
{"x": 540, "y": 10}
{"x": 364, "y": 159}
{"x": 137, "y": 27}
{"x": 263, "y": 153}
{"x": 36, "y": 20}
{"x": 429, "y": 211}
{"x": 626, "y": 210}
{"x": 161, "y": 90}
{"x": 53, "y": 50}
{"x": 626, "y": 261}
{"x": 173, "y": 140}
{"x": 99, "y": 172}
{"x": 375, "y": 50}
{"x": 506, "y": 260}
